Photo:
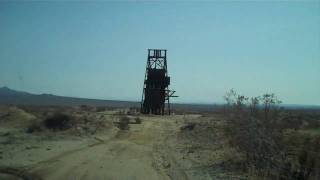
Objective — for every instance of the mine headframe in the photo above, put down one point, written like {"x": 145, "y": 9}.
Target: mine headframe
{"x": 156, "y": 84}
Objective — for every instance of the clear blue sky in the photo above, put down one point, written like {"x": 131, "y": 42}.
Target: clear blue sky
{"x": 99, "y": 49}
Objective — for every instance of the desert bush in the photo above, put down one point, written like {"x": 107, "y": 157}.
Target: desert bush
{"x": 58, "y": 121}
{"x": 303, "y": 158}
{"x": 86, "y": 108}
{"x": 34, "y": 127}
{"x": 121, "y": 112}
{"x": 123, "y": 123}
{"x": 138, "y": 120}
{"x": 101, "y": 109}
{"x": 254, "y": 128}
{"x": 132, "y": 111}
{"x": 188, "y": 126}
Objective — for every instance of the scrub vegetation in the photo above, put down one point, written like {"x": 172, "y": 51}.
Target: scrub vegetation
{"x": 273, "y": 142}
{"x": 247, "y": 138}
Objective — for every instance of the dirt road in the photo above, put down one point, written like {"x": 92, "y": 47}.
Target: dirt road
{"x": 138, "y": 153}
{"x": 123, "y": 155}
{"x": 157, "y": 148}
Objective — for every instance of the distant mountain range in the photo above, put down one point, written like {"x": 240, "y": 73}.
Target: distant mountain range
{"x": 10, "y": 96}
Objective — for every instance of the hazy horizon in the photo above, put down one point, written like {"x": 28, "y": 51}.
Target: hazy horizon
{"x": 98, "y": 50}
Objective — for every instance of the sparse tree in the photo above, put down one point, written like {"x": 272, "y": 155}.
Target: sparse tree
{"x": 269, "y": 101}
{"x": 254, "y": 103}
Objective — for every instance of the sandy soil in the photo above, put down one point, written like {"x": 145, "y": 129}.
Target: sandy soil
{"x": 155, "y": 149}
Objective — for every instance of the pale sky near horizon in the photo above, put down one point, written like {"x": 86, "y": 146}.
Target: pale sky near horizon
{"x": 99, "y": 49}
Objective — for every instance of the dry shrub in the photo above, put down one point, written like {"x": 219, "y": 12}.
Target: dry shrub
{"x": 86, "y": 108}
{"x": 101, "y": 109}
{"x": 255, "y": 129}
{"x": 132, "y": 111}
{"x": 123, "y": 123}
{"x": 138, "y": 120}
{"x": 35, "y": 126}
{"x": 188, "y": 126}
{"x": 121, "y": 112}
{"x": 304, "y": 156}
{"x": 58, "y": 121}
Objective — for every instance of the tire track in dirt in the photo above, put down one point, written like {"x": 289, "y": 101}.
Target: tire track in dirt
{"x": 132, "y": 154}
{"x": 120, "y": 153}
{"x": 164, "y": 157}
{"x": 67, "y": 153}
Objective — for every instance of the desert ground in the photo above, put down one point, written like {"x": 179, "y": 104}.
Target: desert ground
{"x": 87, "y": 142}
{"x": 185, "y": 146}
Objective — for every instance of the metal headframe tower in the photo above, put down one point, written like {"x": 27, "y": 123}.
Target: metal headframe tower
{"x": 156, "y": 84}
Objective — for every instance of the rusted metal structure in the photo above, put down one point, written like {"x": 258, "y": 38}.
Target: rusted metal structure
{"x": 156, "y": 84}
